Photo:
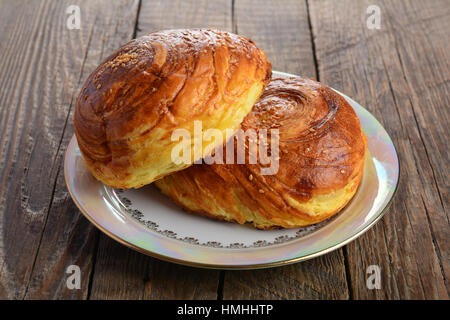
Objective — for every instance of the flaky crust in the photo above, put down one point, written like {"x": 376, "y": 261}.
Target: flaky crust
{"x": 130, "y": 105}
{"x": 321, "y": 160}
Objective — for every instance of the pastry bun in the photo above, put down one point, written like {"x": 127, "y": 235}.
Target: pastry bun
{"x": 133, "y": 101}
{"x": 322, "y": 150}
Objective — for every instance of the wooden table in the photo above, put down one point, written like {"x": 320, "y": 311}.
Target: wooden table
{"x": 400, "y": 72}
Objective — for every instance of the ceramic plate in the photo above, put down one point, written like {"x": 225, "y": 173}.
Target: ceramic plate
{"x": 148, "y": 222}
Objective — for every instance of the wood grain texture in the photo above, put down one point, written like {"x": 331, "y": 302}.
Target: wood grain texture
{"x": 320, "y": 278}
{"x": 157, "y": 279}
{"x": 282, "y": 30}
{"x": 43, "y": 64}
{"x": 121, "y": 273}
{"x": 160, "y": 15}
{"x": 400, "y": 73}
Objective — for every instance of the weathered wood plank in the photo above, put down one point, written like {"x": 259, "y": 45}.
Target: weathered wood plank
{"x": 139, "y": 276}
{"x": 391, "y": 72}
{"x": 42, "y": 66}
{"x": 282, "y": 30}
{"x": 422, "y": 35}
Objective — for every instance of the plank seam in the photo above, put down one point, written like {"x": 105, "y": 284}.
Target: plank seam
{"x": 313, "y": 43}
{"x": 34, "y": 53}
{"x": 350, "y": 292}
{"x": 348, "y": 277}
{"x": 408, "y": 214}
{"x": 389, "y": 254}
{"x": 41, "y": 236}
{"x": 94, "y": 263}
{"x": 136, "y": 26}
{"x": 417, "y": 124}
{"x": 220, "y": 285}
{"x": 59, "y": 166}
{"x": 234, "y": 26}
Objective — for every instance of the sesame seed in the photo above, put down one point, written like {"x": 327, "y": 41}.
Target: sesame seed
{"x": 99, "y": 86}
{"x": 261, "y": 191}
{"x": 342, "y": 171}
{"x": 250, "y": 177}
{"x": 312, "y": 130}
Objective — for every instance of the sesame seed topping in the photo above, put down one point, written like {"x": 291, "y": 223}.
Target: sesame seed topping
{"x": 250, "y": 177}
{"x": 342, "y": 171}
{"x": 261, "y": 191}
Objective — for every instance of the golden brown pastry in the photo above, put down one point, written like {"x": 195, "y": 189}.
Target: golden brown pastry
{"x": 321, "y": 159}
{"x": 130, "y": 105}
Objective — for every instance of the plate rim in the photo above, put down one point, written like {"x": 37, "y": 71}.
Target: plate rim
{"x": 239, "y": 266}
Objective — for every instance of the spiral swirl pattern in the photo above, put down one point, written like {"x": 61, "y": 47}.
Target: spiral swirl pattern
{"x": 321, "y": 158}
{"x": 130, "y": 105}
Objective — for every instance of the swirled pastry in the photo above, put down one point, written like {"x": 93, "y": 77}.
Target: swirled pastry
{"x": 321, "y": 157}
{"x": 130, "y": 105}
